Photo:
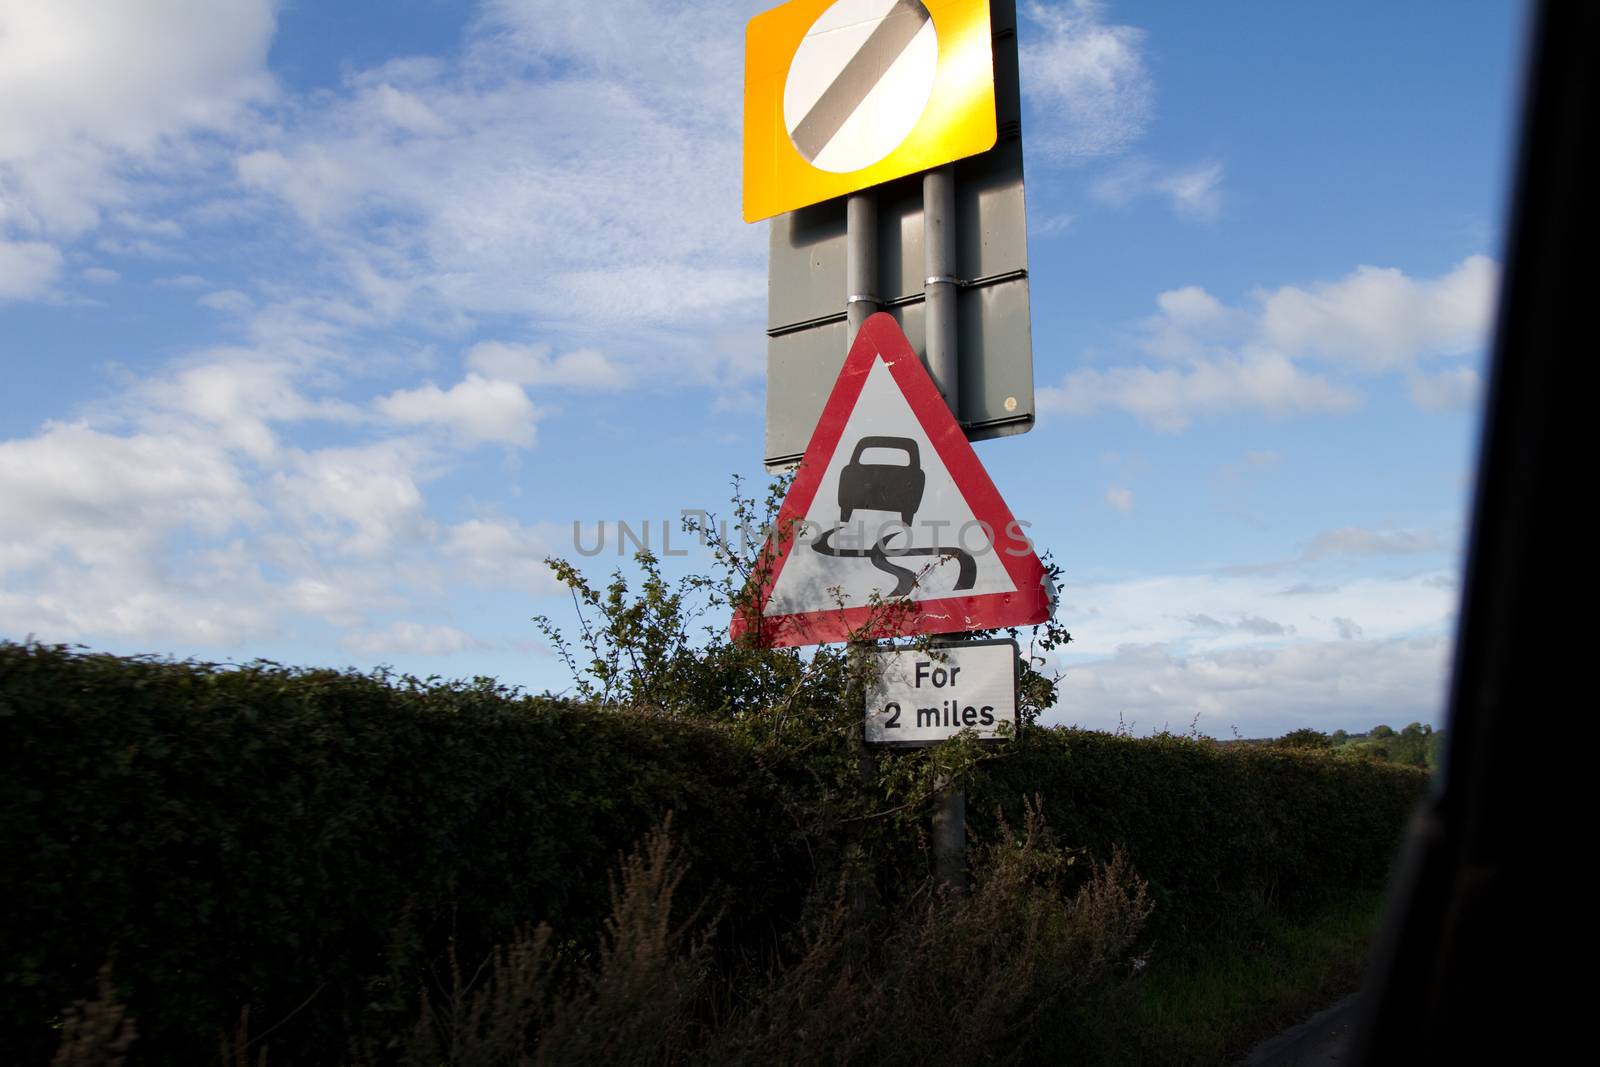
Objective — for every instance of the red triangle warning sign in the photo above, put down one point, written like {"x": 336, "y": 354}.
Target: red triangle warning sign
{"x": 892, "y": 526}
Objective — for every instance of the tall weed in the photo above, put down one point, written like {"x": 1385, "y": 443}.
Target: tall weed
{"x": 959, "y": 978}
{"x": 96, "y": 1032}
{"x": 983, "y": 976}
{"x": 633, "y": 1003}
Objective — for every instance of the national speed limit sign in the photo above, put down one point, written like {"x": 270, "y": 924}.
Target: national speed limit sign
{"x": 847, "y": 94}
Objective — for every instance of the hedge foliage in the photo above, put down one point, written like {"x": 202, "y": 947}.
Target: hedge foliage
{"x": 308, "y": 842}
{"x": 1221, "y": 832}
{"x": 263, "y": 836}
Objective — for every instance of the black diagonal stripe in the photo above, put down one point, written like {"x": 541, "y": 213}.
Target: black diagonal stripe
{"x": 840, "y": 100}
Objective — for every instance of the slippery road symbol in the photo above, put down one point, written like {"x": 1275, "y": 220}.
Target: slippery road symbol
{"x": 896, "y": 488}
{"x": 882, "y": 486}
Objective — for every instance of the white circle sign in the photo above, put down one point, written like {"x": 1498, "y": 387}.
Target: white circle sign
{"x": 859, "y": 82}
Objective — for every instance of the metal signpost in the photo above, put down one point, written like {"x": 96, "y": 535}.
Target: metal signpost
{"x": 883, "y": 139}
{"x": 926, "y": 697}
{"x": 834, "y": 262}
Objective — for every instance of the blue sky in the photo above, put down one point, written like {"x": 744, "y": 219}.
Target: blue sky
{"x": 322, "y": 324}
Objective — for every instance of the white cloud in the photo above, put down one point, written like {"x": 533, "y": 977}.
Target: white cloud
{"x": 88, "y": 531}
{"x": 1246, "y": 605}
{"x": 1190, "y": 306}
{"x": 1120, "y": 500}
{"x": 361, "y": 500}
{"x": 1378, "y": 318}
{"x": 88, "y": 88}
{"x": 476, "y": 409}
{"x": 194, "y": 606}
{"x": 317, "y": 184}
{"x": 411, "y": 638}
{"x": 1051, "y": 225}
{"x": 542, "y": 171}
{"x": 1169, "y": 399}
{"x": 182, "y": 281}
{"x": 1190, "y": 324}
{"x": 1449, "y": 390}
{"x": 502, "y": 554}
{"x": 100, "y": 275}
{"x": 1086, "y": 79}
{"x": 689, "y": 48}
{"x": 138, "y": 248}
{"x": 1262, "y": 627}
{"x": 1350, "y": 542}
{"x": 1243, "y": 358}
{"x": 556, "y": 186}
{"x": 1349, "y": 630}
{"x": 182, "y": 518}
{"x": 229, "y": 301}
{"x": 28, "y": 269}
{"x": 175, "y": 514}
{"x": 1255, "y": 462}
{"x": 134, "y": 222}
{"x": 1372, "y": 320}
{"x": 1361, "y": 541}
{"x": 741, "y": 401}
{"x": 1350, "y": 684}
{"x": 536, "y": 365}
{"x": 76, "y": 494}
{"x": 333, "y": 597}
{"x": 1090, "y": 97}
{"x": 236, "y": 394}
{"x": 1234, "y": 648}
{"x": 1193, "y": 192}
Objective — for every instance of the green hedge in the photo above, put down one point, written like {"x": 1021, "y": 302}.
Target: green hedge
{"x": 308, "y": 842}
{"x": 262, "y": 836}
{"x": 1220, "y": 831}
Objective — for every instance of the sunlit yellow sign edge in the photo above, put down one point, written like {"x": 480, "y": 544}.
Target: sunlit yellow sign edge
{"x": 957, "y": 122}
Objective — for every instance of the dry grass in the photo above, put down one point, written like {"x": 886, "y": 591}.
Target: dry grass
{"x": 633, "y": 1006}
{"x": 957, "y": 978}
{"x": 97, "y": 1032}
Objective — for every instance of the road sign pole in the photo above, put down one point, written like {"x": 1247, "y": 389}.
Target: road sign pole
{"x": 867, "y": 97}
{"x": 949, "y": 833}
{"x": 861, "y": 900}
{"x": 939, "y": 285}
{"x": 861, "y": 301}
{"x": 860, "y": 261}
{"x": 939, "y": 288}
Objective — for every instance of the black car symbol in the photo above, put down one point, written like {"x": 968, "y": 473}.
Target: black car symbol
{"x": 882, "y": 486}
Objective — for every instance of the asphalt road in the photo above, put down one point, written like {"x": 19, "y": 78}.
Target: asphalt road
{"x": 1318, "y": 1042}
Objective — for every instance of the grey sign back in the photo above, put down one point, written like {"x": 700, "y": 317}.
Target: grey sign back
{"x": 806, "y": 284}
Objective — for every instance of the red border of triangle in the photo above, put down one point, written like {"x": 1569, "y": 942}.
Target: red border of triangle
{"x": 1029, "y": 604}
